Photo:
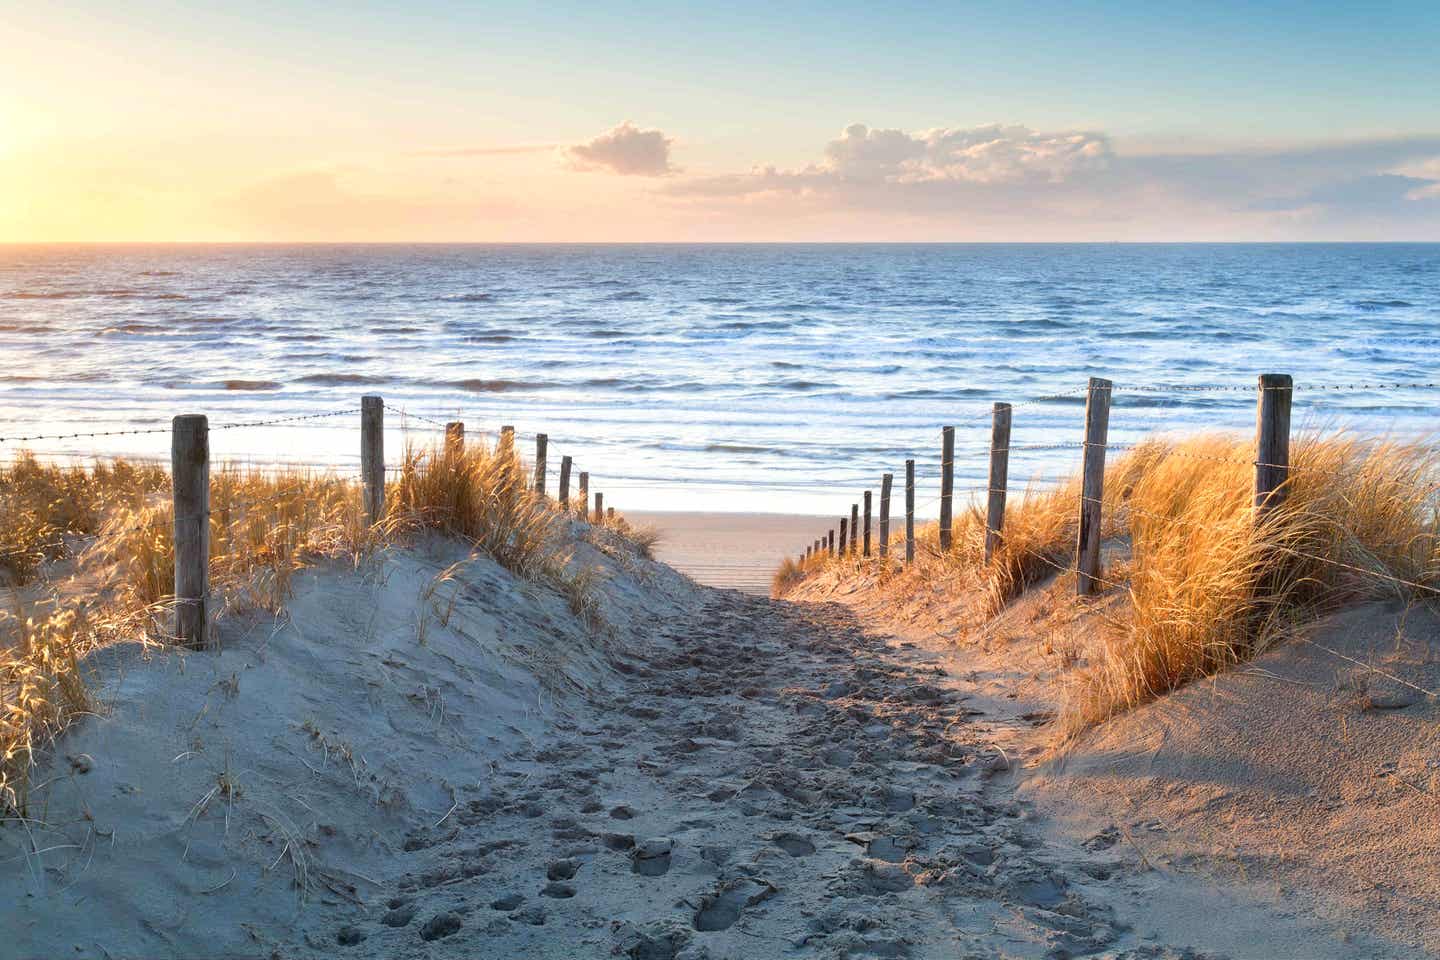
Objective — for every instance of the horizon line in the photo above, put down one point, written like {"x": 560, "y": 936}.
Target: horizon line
{"x": 696, "y": 243}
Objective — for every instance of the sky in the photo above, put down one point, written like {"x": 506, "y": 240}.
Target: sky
{"x": 836, "y": 121}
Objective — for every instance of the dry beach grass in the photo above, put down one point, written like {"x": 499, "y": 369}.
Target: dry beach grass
{"x": 89, "y": 558}
{"x": 1192, "y": 584}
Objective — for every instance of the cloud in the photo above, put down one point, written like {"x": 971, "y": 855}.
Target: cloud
{"x": 625, "y": 150}
{"x": 1022, "y": 183}
{"x": 985, "y": 155}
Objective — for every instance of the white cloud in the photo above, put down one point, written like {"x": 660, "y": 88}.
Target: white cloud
{"x": 1027, "y": 183}
{"x": 626, "y": 150}
{"x": 985, "y": 154}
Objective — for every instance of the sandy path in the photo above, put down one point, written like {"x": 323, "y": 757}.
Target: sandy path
{"x": 773, "y": 782}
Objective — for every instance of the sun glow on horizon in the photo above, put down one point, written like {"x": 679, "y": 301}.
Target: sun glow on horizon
{"x": 427, "y": 124}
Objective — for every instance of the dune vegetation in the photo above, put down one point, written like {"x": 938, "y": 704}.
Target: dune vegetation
{"x": 1201, "y": 585}
{"x": 87, "y": 558}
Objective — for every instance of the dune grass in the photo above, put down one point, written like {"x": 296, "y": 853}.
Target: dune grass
{"x": 1204, "y": 586}
{"x": 71, "y": 595}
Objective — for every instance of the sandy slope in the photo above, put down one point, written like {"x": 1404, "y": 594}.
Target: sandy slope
{"x": 1285, "y": 809}
{"x": 715, "y": 775}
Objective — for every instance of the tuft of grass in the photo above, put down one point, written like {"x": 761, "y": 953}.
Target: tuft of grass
{"x": 1210, "y": 587}
{"x": 481, "y": 495}
{"x": 43, "y": 506}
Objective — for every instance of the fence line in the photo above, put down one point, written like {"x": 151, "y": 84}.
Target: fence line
{"x": 192, "y": 489}
{"x": 1271, "y": 463}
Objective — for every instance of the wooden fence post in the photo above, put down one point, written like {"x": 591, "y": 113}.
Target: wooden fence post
{"x": 1092, "y": 493}
{"x": 454, "y": 438}
{"x": 584, "y": 495}
{"x": 609, "y": 513}
{"x": 909, "y": 512}
{"x": 599, "y": 507}
{"x": 1272, "y": 443}
{"x": 372, "y": 456}
{"x": 190, "y": 492}
{"x": 854, "y": 528}
{"x": 506, "y": 446}
{"x": 999, "y": 471}
{"x": 867, "y": 523}
{"x": 947, "y": 484}
{"x": 541, "y": 442}
{"x": 844, "y": 528}
{"x": 565, "y": 482}
{"x": 885, "y": 481}
{"x": 831, "y": 539}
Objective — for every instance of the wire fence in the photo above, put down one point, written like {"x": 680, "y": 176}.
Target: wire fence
{"x": 924, "y": 475}
{"x": 1270, "y": 469}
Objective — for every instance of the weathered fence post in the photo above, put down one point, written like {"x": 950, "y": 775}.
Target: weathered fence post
{"x": 854, "y": 528}
{"x": 506, "y": 446}
{"x": 541, "y": 442}
{"x": 844, "y": 528}
{"x": 885, "y": 482}
{"x": 947, "y": 483}
{"x": 999, "y": 471}
{"x": 1092, "y": 493}
{"x": 831, "y": 540}
{"x": 599, "y": 507}
{"x": 372, "y": 456}
{"x": 190, "y": 492}
{"x": 867, "y": 523}
{"x": 565, "y": 482}
{"x": 1272, "y": 442}
{"x": 909, "y": 512}
{"x": 454, "y": 438}
{"x": 609, "y": 513}
{"x": 584, "y": 497}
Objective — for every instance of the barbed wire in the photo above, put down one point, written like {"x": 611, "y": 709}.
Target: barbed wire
{"x": 276, "y": 420}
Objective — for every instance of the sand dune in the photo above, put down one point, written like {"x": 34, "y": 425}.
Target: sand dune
{"x": 463, "y": 768}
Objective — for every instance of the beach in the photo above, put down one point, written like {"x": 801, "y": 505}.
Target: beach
{"x": 738, "y": 551}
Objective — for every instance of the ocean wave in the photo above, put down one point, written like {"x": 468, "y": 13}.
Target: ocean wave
{"x": 496, "y": 386}
{"x": 341, "y": 379}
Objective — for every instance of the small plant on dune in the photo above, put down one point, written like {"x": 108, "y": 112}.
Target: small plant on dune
{"x": 41, "y": 689}
{"x": 481, "y": 495}
{"x": 44, "y": 505}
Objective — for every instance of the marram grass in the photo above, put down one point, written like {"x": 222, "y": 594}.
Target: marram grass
{"x": 71, "y": 594}
{"x": 1206, "y": 586}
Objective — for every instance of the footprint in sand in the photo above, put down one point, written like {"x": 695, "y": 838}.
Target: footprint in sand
{"x": 399, "y": 916}
{"x": 562, "y": 869}
{"x": 793, "y": 844}
{"x": 439, "y": 926}
{"x": 720, "y": 910}
{"x": 651, "y": 857}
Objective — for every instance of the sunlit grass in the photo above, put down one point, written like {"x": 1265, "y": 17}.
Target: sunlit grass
{"x": 72, "y": 596}
{"x": 1206, "y": 587}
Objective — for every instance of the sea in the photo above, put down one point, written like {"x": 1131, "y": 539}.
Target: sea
{"x": 779, "y": 378}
